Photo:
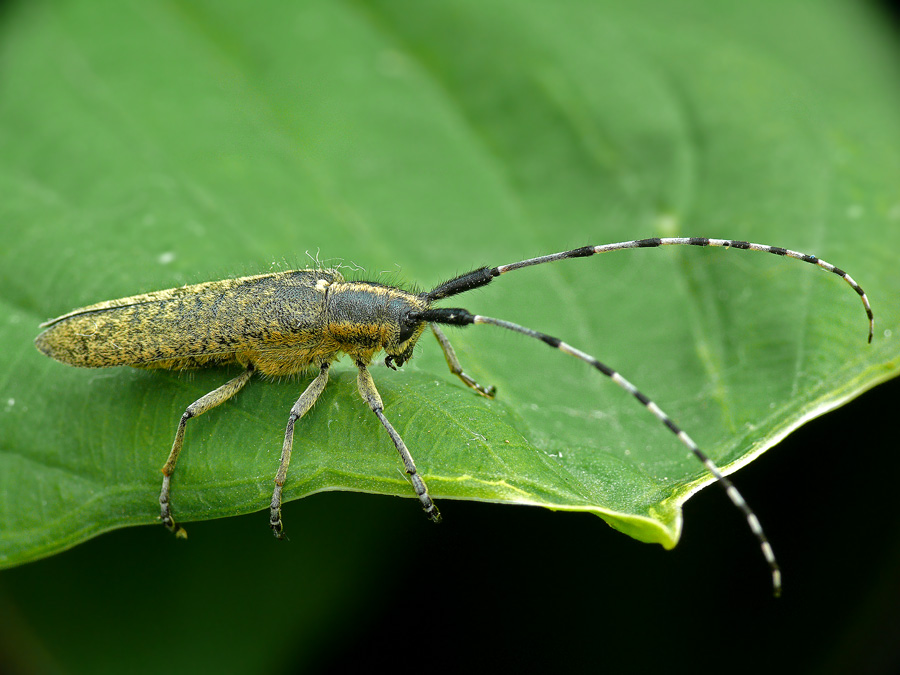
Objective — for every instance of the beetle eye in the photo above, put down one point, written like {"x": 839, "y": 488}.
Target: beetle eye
{"x": 407, "y": 329}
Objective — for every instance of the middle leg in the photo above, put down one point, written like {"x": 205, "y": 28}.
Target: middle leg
{"x": 301, "y": 407}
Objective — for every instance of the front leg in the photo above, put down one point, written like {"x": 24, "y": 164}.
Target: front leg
{"x": 301, "y": 407}
{"x": 371, "y": 396}
{"x": 456, "y": 368}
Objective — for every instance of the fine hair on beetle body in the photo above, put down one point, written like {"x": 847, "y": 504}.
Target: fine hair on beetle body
{"x": 284, "y": 323}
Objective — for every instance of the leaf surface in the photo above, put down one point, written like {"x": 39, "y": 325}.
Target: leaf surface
{"x": 187, "y": 142}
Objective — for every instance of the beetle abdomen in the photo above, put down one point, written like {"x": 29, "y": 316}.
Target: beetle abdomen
{"x": 273, "y": 317}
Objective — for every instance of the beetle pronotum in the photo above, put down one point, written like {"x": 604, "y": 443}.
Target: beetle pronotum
{"x": 286, "y": 322}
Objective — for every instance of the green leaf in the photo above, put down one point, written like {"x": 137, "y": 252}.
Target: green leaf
{"x": 183, "y": 143}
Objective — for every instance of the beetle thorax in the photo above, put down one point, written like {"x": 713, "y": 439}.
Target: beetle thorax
{"x": 364, "y": 318}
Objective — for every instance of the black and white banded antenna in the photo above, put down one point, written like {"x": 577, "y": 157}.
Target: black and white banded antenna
{"x": 484, "y": 275}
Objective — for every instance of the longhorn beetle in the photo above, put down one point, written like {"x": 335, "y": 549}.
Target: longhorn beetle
{"x": 286, "y": 322}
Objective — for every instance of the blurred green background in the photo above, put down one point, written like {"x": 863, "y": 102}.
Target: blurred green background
{"x": 149, "y": 144}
